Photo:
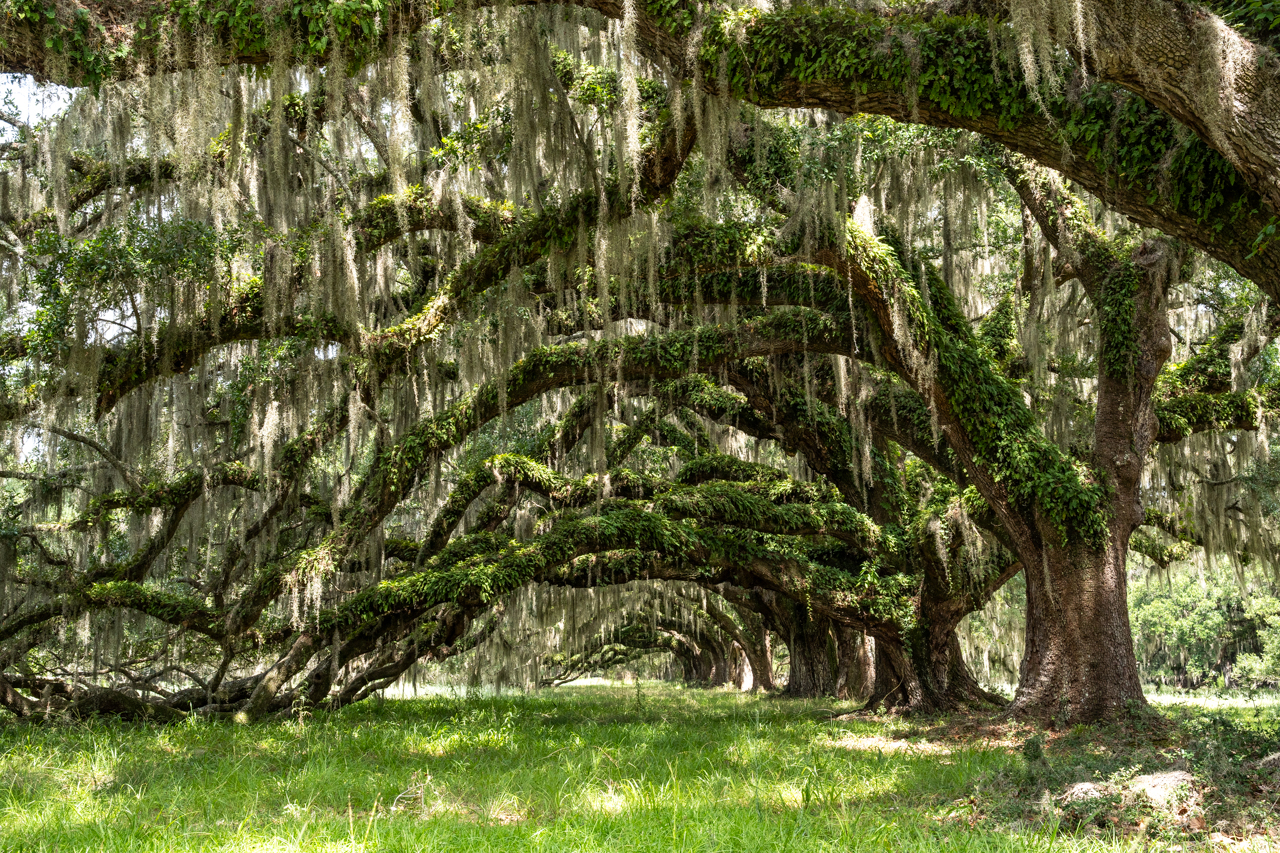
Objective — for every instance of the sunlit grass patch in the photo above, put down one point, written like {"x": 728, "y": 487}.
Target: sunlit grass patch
{"x": 584, "y": 769}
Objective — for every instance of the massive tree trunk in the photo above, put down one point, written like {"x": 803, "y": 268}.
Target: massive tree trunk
{"x": 1079, "y": 664}
{"x": 756, "y": 646}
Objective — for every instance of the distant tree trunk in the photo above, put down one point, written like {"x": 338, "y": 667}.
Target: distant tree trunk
{"x": 896, "y": 685}
{"x": 704, "y": 660}
{"x": 924, "y": 677}
{"x": 12, "y": 699}
{"x": 756, "y": 611}
{"x": 809, "y": 642}
{"x": 716, "y": 655}
{"x": 688, "y": 667}
{"x": 962, "y": 683}
{"x": 757, "y": 648}
{"x": 738, "y": 666}
{"x": 949, "y": 684}
{"x": 856, "y": 665}
{"x": 934, "y": 649}
{"x": 811, "y": 658}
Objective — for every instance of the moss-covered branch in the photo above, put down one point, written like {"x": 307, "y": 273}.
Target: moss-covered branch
{"x": 1186, "y": 414}
{"x": 566, "y": 365}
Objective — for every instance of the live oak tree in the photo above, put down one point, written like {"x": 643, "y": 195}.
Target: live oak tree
{"x": 335, "y": 326}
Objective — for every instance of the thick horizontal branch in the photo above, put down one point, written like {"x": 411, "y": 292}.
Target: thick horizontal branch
{"x": 836, "y": 58}
{"x": 662, "y": 548}
{"x": 933, "y": 69}
{"x": 172, "y": 609}
{"x": 1190, "y": 413}
{"x": 389, "y": 217}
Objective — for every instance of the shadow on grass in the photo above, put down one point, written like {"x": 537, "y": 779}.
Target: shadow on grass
{"x": 583, "y": 769}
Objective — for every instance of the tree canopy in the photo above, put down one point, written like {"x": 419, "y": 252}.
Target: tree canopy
{"x": 346, "y": 335}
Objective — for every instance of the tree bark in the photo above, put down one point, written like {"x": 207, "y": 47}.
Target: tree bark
{"x": 946, "y": 684}
{"x": 12, "y": 699}
{"x": 116, "y": 703}
{"x": 1079, "y": 665}
{"x": 708, "y": 663}
{"x": 809, "y": 642}
{"x": 896, "y": 685}
{"x": 737, "y": 666}
{"x": 946, "y": 597}
{"x": 262, "y": 700}
{"x": 756, "y": 646}
{"x": 1171, "y": 54}
{"x": 856, "y": 665}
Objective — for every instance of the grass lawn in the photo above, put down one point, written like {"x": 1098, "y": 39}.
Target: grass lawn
{"x": 614, "y": 768}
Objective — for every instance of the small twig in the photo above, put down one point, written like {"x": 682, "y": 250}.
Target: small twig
{"x": 14, "y": 121}
{"x": 25, "y": 475}
{"x": 130, "y": 479}
{"x": 358, "y": 105}
{"x": 46, "y": 554}
{"x": 323, "y": 161}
